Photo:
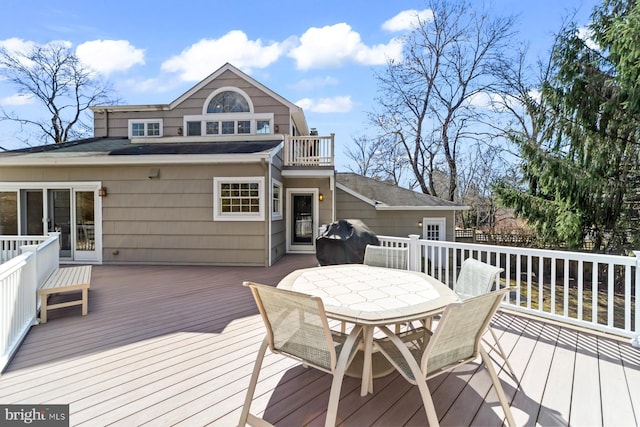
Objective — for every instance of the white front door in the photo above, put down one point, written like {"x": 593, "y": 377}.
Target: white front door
{"x": 302, "y": 219}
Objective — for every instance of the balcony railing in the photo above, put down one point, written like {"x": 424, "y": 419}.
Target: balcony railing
{"x": 313, "y": 151}
{"x": 596, "y": 291}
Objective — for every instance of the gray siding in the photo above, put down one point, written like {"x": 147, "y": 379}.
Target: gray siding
{"x": 278, "y": 226}
{"x": 165, "y": 220}
{"x": 173, "y": 119}
{"x": 389, "y": 223}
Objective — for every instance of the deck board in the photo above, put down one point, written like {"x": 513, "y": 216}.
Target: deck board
{"x": 175, "y": 345}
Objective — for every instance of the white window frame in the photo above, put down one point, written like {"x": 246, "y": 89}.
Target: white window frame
{"x": 146, "y": 123}
{"x": 441, "y": 222}
{"x": 218, "y": 215}
{"x": 227, "y": 89}
{"x": 228, "y": 117}
{"x": 276, "y": 208}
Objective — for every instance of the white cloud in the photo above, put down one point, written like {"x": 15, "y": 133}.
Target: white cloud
{"x": 16, "y": 100}
{"x": 496, "y": 102}
{"x": 586, "y": 35}
{"x": 408, "y": 20}
{"x": 482, "y": 99}
{"x": 19, "y": 49}
{"x": 107, "y": 56}
{"x": 204, "y": 57}
{"x": 314, "y": 83}
{"x": 337, "y": 104}
{"x": 16, "y": 45}
{"x": 334, "y": 45}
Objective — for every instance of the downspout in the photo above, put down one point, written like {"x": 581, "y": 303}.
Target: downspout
{"x": 332, "y": 188}
{"x": 266, "y": 166}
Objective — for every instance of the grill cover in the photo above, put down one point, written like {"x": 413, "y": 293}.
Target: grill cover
{"x": 344, "y": 242}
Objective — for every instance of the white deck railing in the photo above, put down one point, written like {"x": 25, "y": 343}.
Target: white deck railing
{"x": 10, "y": 245}
{"x": 20, "y": 276}
{"x": 591, "y": 290}
{"x": 309, "y": 150}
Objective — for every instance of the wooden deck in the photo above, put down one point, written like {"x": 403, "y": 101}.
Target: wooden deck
{"x": 170, "y": 345}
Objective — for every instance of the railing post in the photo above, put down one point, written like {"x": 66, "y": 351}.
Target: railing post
{"x": 415, "y": 263}
{"x": 333, "y": 156}
{"x": 635, "y": 340}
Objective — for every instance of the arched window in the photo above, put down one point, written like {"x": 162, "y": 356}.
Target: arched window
{"x": 228, "y": 102}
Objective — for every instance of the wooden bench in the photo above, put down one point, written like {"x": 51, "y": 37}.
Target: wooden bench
{"x": 62, "y": 280}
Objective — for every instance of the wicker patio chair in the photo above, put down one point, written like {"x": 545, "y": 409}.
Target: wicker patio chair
{"x": 381, "y": 256}
{"x": 420, "y": 354}
{"x": 477, "y": 278}
{"x": 297, "y": 327}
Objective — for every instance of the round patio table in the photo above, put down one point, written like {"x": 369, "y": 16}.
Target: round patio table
{"x": 372, "y": 296}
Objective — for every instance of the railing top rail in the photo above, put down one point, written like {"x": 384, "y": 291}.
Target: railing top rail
{"x": 23, "y": 237}
{"x": 546, "y": 253}
{"x": 13, "y": 264}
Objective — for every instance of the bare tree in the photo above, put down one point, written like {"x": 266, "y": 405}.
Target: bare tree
{"x": 363, "y": 153}
{"x": 426, "y": 100}
{"x": 379, "y": 158}
{"x": 53, "y": 75}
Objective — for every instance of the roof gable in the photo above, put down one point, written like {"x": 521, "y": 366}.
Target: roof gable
{"x": 383, "y": 195}
{"x": 228, "y": 67}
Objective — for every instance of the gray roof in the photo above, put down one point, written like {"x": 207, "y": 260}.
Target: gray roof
{"x": 123, "y": 146}
{"x": 386, "y": 194}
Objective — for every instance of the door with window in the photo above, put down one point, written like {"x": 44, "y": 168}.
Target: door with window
{"x": 70, "y": 211}
{"x": 302, "y": 214}
{"x": 435, "y": 229}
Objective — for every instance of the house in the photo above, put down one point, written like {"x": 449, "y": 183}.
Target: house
{"x": 227, "y": 174}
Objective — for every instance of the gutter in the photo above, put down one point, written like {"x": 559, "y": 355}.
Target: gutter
{"x": 160, "y": 159}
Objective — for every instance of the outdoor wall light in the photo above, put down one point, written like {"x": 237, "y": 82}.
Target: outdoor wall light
{"x": 102, "y": 192}
{"x": 419, "y": 224}
{"x": 320, "y": 197}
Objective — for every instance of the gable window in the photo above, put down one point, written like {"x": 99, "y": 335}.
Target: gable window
{"x": 228, "y": 102}
{"x": 228, "y": 111}
{"x": 276, "y": 200}
{"x": 145, "y": 128}
{"x": 238, "y": 199}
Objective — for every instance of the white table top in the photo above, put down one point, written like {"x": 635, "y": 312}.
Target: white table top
{"x": 371, "y": 295}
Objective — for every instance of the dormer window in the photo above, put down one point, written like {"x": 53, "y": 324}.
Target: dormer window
{"x": 228, "y": 111}
{"x": 145, "y": 128}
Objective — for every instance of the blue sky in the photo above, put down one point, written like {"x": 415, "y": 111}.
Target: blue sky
{"x": 321, "y": 55}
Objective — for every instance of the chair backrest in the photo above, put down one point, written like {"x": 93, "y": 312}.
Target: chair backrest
{"x": 457, "y": 337}
{"x": 475, "y": 278}
{"x": 296, "y": 325}
{"x": 382, "y": 256}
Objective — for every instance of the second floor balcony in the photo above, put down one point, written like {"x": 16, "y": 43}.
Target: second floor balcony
{"x": 309, "y": 151}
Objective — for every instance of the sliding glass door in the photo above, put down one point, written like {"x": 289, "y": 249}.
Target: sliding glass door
{"x": 59, "y": 218}
{"x": 85, "y": 230}
{"x": 71, "y": 209}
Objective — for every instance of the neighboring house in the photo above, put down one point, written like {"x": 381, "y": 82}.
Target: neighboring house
{"x": 227, "y": 174}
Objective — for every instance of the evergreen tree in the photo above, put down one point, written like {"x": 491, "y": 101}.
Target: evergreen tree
{"x": 582, "y": 178}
